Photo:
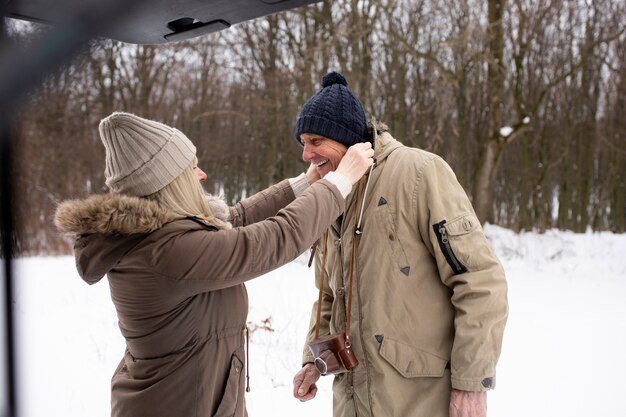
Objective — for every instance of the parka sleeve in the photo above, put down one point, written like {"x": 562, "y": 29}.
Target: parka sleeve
{"x": 262, "y": 205}
{"x": 207, "y": 260}
{"x": 469, "y": 267}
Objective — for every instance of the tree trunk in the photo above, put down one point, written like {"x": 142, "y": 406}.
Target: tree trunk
{"x": 485, "y": 181}
{"x": 485, "y": 176}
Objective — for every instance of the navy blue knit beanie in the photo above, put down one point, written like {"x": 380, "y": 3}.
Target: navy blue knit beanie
{"x": 333, "y": 112}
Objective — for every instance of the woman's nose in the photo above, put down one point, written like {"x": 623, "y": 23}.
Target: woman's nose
{"x": 200, "y": 174}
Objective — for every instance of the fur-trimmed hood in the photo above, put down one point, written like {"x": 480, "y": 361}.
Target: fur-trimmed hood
{"x": 111, "y": 214}
{"x": 106, "y": 226}
{"x": 118, "y": 214}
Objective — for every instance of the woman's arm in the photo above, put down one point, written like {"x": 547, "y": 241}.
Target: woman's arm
{"x": 202, "y": 260}
{"x": 267, "y": 203}
{"x": 262, "y": 205}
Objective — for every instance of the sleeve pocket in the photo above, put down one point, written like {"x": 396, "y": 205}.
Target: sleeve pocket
{"x": 468, "y": 241}
{"x": 411, "y": 362}
{"x": 462, "y": 225}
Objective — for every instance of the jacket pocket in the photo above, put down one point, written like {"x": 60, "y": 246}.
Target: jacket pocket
{"x": 388, "y": 229}
{"x": 410, "y": 361}
{"x": 463, "y": 243}
{"x": 232, "y": 401}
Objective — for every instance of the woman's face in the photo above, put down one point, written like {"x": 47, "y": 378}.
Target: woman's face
{"x": 200, "y": 174}
{"x": 325, "y": 153}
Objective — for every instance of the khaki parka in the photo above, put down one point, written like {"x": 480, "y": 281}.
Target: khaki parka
{"x": 177, "y": 286}
{"x": 429, "y": 300}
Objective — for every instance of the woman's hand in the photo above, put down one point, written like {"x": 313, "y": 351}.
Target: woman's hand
{"x": 356, "y": 161}
{"x": 312, "y": 174}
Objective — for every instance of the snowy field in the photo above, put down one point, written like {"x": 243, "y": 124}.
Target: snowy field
{"x": 564, "y": 350}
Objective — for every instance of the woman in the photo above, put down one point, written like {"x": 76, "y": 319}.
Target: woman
{"x": 176, "y": 263}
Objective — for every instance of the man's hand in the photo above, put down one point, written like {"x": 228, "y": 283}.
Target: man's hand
{"x": 468, "y": 404}
{"x": 304, "y": 387}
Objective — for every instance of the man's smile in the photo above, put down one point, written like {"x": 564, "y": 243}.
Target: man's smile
{"x": 319, "y": 164}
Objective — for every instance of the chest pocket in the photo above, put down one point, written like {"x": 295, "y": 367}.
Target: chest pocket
{"x": 388, "y": 227}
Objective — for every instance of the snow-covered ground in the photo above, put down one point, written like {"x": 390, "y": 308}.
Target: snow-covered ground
{"x": 564, "y": 351}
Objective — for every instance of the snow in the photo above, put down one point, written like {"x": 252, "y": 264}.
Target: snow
{"x": 506, "y": 131}
{"x": 563, "y": 352}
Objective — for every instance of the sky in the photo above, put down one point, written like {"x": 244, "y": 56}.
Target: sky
{"x": 563, "y": 350}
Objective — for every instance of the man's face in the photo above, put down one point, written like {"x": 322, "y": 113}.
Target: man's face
{"x": 323, "y": 152}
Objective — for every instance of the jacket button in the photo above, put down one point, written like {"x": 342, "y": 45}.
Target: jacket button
{"x": 391, "y": 236}
{"x": 337, "y": 242}
{"x": 349, "y": 391}
{"x": 237, "y": 369}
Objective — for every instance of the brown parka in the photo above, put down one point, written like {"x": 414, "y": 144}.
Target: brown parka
{"x": 177, "y": 286}
{"x": 429, "y": 300}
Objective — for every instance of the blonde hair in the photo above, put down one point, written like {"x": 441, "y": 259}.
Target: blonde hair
{"x": 185, "y": 197}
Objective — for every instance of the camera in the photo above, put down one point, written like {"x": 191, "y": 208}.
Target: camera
{"x": 333, "y": 354}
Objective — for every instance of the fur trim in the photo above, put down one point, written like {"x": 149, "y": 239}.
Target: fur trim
{"x": 111, "y": 214}
{"x": 380, "y": 126}
{"x": 219, "y": 208}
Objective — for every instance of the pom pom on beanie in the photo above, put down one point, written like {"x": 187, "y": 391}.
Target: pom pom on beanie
{"x": 333, "y": 78}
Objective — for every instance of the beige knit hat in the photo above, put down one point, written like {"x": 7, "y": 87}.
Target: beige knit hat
{"x": 142, "y": 156}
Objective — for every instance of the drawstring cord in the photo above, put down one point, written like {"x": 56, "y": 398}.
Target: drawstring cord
{"x": 367, "y": 184}
{"x": 245, "y": 332}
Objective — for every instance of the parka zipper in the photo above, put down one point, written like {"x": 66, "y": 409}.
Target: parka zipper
{"x": 444, "y": 244}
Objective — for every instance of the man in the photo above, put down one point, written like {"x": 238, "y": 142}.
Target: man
{"x": 428, "y": 299}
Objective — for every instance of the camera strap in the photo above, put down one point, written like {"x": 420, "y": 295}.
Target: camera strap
{"x": 357, "y": 232}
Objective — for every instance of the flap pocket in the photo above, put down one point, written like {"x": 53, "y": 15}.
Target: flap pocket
{"x": 411, "y": 362}
{"x": 232, "y": 401}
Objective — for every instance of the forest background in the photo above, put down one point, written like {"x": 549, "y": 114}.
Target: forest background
{"x": 525, "y": 99}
